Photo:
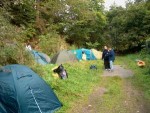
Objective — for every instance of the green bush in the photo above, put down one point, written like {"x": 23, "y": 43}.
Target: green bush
{"x": 8, "y": 32}
{"x": 11, "y": 49}
{"x": 15, "y": 54}
{"x": 51, "y": 43}
{"x": 21, "y": 12}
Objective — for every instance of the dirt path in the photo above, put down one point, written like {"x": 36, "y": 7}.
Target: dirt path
{"x": 134, "y": 101}
{"x": 119, "y": 71}
{"x": 130, "y": 101}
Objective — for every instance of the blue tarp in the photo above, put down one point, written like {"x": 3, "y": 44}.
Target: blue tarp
{"x": 89, "y": 54}
{"x": 39, "y": 57}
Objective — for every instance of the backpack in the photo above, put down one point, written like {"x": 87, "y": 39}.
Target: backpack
{"x": 93, "y": 67}
{"x": 61, "y": 72}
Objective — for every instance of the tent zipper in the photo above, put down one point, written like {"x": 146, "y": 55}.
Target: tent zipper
{"x": 35, "y": 100}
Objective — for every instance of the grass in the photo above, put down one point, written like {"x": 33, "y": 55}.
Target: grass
{"x": 113, "y": 98}
{"x": 78, "y": 86}
{"x": 141, "y": 78}
{"x": 82, "y": 81}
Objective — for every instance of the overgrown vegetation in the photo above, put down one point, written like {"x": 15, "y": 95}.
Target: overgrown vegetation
{"x": 129, "y": 27}
{"x": 48, "y": 24}
{"x": 11, "y": 45}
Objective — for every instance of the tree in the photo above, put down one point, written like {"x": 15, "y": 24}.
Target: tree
{"x": 83, "y": 22}
{"x": 20, "y": 12}
{"x": 129, "y": 27}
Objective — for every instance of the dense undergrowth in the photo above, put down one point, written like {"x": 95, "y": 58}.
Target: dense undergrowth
{"x": 13, "y": 40}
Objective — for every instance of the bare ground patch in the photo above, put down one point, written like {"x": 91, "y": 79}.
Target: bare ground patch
{"x": 134, "y": 100}
{"x": 119, "y": 71}
{"x": 91, "y": 105}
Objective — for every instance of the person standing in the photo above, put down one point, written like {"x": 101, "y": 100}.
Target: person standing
{"x": 111, "y": 58}
{"x": 83, "y": 55}
{"x": 105, "y": 57}
{"x": 28, "y": 47}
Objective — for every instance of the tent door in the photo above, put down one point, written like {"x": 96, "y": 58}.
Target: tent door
{"x": 31, "y": 90}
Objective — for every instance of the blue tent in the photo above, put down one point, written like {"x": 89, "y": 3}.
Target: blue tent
{"x": 40, "y": 57}
{"x": 89, "y": 54}
{"x": 23, "y": 91}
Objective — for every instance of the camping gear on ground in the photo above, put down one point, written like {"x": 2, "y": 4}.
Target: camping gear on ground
{"x": 140, "y": 63}
{"x": 40, "y": 57}
{"x": 97, "y": 54}
{"x": 61, "y": 72}
{"x": 89, "y": 54}
{"x": 93, "y": 67}
{"x": 55, "y": 75}
{"x": 63, "y": 57}
{"x": 23, "y": 91}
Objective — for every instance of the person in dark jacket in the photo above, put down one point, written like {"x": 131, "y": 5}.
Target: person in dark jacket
{"x": 111, "y": 58}
{"x": 105, "y": 57}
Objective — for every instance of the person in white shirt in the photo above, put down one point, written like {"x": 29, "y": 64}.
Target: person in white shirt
{"x": 28, "y": 47}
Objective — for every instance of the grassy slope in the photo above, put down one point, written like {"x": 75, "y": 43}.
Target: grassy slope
{"x": 78, "y": 86}
{"x": 82, "y": 81}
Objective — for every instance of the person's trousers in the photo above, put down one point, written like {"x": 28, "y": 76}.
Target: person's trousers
{"x": 106, "y": 64}
{"x": 111, "y": 65}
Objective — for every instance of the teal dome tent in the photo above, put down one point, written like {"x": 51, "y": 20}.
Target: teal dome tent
{"x": 23, "y": 91}
{"x": 40, "y": 57}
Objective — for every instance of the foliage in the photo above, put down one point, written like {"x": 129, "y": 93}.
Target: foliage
{"x": 92, "y": 45}
{"x": 51, "y": 43}
{"x": 82, "y": 22}
{"x": 15, "y": 54}
{"x": 11, "y": 44}
{"x": 21, "y": 12}
{"x": 129, "y": 27}
{"x": 7, "y": 31}
{"x": 51, "y": 23}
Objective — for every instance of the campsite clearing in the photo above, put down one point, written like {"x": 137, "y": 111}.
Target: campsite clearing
{"x": 115, "y": 94}
{"x": 86, "y": 90}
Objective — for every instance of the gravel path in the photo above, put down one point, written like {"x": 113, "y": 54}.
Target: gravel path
{"x": 133, "y": 100}
{"x": 119, "y": 71}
